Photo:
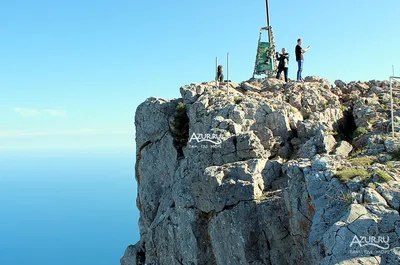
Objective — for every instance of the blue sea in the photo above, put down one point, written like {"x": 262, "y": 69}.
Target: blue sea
{"x": 67, "y": 207}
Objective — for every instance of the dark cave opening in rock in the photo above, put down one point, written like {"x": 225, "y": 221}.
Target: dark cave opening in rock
{"x": 141, "y": 257}
{"x": 179, "y": 129}
{"x": 346, "y": 126}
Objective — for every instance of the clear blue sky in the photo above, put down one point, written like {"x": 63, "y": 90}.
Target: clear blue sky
{"x": 73, "y": 72}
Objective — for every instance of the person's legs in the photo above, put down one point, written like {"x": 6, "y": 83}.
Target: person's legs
{"x": 285, "y": 71}
{"x": 278, "y": 75}
{"x": 300, "y": 65}
{"x": 299, "y": 69}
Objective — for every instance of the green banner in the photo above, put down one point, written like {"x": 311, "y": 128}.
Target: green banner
{"x": 263, "y": 61}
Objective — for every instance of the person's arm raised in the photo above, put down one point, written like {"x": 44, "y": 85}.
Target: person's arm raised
{"x": 306, "y": 49}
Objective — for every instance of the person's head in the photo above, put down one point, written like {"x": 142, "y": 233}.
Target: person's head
{"x": 283, "y": 50}
{"x": 219, "y": 67}
{"x": 299, "y": 41}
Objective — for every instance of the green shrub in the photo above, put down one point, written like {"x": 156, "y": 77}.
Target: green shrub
{"x": 180, "y": 128}
{"x": 362, "y": 161}
{"x": 337, "y": 134}
{"x": 264, "y": 196}
{"x": 359, "y": 132}
{"x": 238, "y": 100}
{"x": 357, "y": 152}
{"x": 390, "y": 164}
{"x": 347, "y": 174}
{"x": 347, "y": 198}
{"x": 181, "y": 119}
{"x": 343, "y": 108}
{"x": 383, "y": 176}
{"x": 181, "y": 109}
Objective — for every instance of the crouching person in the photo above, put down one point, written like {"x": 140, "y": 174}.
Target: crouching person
{"x": 220, "y": 75}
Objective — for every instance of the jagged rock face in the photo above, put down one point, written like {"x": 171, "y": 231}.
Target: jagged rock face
{"x": 248, "y": 176}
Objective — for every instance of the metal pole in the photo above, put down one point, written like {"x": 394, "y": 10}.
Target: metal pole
{"x": 391, "y": 105}
{"x": 391, "y": 100}
{"x": 269, "y": 73}
{"x": 227, "y": 72}
{"x": 216, "y": 71}
{"x": 267, "y": 9}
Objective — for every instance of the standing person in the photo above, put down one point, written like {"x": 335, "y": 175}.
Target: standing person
{"x": 300, "y": 58}
{"x": 283, "y": 65}
{"x": 220, "y": 74}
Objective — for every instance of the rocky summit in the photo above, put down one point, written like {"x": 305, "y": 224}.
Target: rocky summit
{"x": 265, "y": 172}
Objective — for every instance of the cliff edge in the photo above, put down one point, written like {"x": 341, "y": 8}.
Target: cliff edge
{"x": 267, "y": 173}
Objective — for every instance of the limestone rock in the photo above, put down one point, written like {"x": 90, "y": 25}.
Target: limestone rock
{"x": 340, "y": 84}
{"x": 371, "y": 196}
{"x": 390, "y": 193}
{"x": 134, "y": 255}
{"x": 247, "y": 174}
{"x": 321, "y": 143}
{"x": 343, "y": 149}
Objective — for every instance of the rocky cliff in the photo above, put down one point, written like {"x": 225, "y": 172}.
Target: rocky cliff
{"x": 267, "y": 173}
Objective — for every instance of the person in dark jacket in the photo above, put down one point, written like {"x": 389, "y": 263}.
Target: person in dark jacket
{"x": 283, "y": 64}
{"x": 220, "y": 74}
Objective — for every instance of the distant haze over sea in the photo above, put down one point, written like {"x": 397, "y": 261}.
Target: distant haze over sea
{"x": 67, "y": 208}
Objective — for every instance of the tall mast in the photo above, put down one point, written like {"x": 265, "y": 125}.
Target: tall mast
{"x": 267, "y": 9}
